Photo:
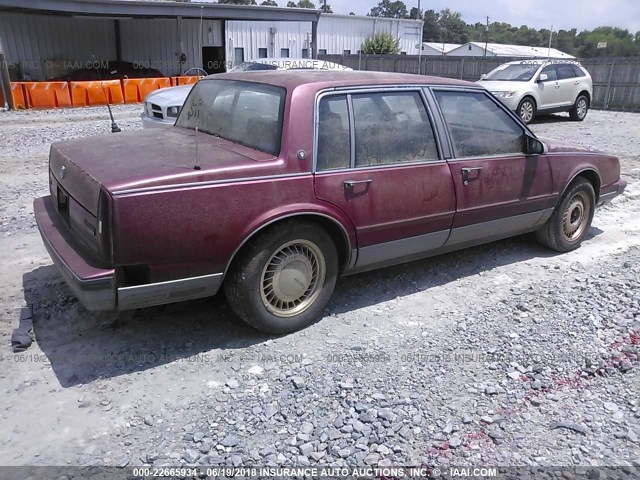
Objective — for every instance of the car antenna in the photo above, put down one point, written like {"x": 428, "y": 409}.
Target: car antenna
{"x": 114, "y": 126}
{"x": 197, "y": 165}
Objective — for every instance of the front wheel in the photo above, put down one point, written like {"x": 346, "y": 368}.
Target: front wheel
{"x": 580, "y": 109}
{"x": 283, "y": 280}
{"x": 571, "y": 219}
{"x": 526, "y": 110}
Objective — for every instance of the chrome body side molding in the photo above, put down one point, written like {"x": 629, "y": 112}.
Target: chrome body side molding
{"x": 140, "y": 296}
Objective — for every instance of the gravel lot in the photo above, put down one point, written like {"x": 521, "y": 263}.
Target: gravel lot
{"x": 505, "y": 354}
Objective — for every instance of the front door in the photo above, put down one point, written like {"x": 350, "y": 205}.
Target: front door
{"x": 499, "y": 189}
{"x": 549, "y": 88}
{"x": 378, "y": 161}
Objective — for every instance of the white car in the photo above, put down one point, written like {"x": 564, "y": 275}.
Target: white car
{"x": 531, "y": 87}
{"x": 161, "y": 108}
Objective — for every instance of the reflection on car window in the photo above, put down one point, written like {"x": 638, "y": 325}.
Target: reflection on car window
{"x": 550, "y": 70}
{"x": 514, "y": 72}
{"x": 244, "y": 112}
{"x": 565, "y": 72}
{"x": 392, "y": 128}
{"x": 478, "y": 127}
{"x": 334, "y": 143}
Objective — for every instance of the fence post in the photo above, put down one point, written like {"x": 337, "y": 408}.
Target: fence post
{"x": 607, "y": 95}
{"x": 462, "y": 69}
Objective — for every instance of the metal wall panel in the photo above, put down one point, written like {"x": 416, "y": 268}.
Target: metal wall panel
{"x": 40, "y": 44}
{"x": 155, "y": 43}
{"x": 336, "y": 33}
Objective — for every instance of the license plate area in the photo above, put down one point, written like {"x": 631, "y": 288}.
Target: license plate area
{"x": 63, "y": 204}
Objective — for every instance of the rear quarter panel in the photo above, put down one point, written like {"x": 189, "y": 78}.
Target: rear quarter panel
{"x": 565, "y": 167}
{"x": 195, "y": 231}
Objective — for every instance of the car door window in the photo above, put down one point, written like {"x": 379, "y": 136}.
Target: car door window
{"x": 478, "y": 126}
{"x": 334, "y": 141}
{"x": 565, "y": 72}
{"x": 577, "y": 71}
{"x": 392, "y": 128}
{"x": 552, "y": 74}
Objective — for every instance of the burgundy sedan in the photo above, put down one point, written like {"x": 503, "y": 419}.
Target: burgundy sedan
{"x": 273, "y": 184}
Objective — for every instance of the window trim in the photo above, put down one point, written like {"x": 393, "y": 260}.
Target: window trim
{"x": 525, "y": 129}
{"x": 349, "y": 91}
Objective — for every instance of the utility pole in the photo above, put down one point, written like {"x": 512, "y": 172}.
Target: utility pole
{"x": 550, "y": 38}
{"x": 486, "y": 39}
{"x": 420, "y": 34}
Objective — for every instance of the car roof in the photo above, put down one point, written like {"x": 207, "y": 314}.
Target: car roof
{"x": 291, "y": 79}
{"x": 541, "y": 61}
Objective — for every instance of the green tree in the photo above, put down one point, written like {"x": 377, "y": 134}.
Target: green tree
{"x": 269, "y": 3}
{"x": 454, "y": 28}
{"x": 389, "y": 9}
{"x": 306, "y": 4}
{"x": 431, "y": 29}
{"x": 381, "y": 44}
{"x": 326, "y": 8}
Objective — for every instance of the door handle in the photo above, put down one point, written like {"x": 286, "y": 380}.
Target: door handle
{"x": 353, "y": 183}
{"x": 466, "y": 174}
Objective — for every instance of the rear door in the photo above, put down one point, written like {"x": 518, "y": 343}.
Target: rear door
{"x": 568, "y": 91}
{"x": 499, "y": 190}
{"x": 377, "y": 159}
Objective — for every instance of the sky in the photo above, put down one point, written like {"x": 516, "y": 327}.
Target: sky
{"x": 562, "y": 14}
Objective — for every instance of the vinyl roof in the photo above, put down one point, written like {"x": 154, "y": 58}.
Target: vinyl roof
{"x": 155, "y": 9}
{"x": 332, "y": 78}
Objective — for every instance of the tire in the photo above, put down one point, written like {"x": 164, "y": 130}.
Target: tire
{"x": 283, "y": 280}
{"x": 568, "y": 225}
{"x": 526, "y": 110}
{"x": 580, "y": 109}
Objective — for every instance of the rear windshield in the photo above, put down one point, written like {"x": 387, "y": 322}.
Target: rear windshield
{"x": 518, "y": 73}
{"x": 244, "y": 112}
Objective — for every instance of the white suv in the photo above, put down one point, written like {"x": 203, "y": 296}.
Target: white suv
{"x": 530, "y": 87}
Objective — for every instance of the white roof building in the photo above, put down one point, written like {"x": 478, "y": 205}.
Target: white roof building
{"x": 438, "y": 48}
{"x": 477, "y": 49}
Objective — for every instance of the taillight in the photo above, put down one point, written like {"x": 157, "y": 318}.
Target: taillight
{"x": 105, "y": 243}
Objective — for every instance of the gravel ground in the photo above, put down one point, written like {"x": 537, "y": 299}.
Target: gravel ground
{"x": 505, "y": 354}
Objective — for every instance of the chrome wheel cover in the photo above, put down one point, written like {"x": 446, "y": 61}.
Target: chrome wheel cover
{"x": 582, "y": 108}
{"x": 292, "y": 279}
{"x": 526, "y": 111}
{"x": 575, "y": 217}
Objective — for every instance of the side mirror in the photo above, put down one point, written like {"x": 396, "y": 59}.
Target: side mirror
{"x": 543, "y": 77}
{"x": 483, "y": 76}
{"x": 533, "y": 146}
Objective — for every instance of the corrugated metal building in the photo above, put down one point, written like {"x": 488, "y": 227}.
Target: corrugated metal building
{"x": 438, "y": 48}
{"x": 40, "y": 46}
{"x": 477, "y": 49}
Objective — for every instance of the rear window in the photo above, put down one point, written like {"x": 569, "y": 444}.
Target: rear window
{"x": 514, "y": 72}
{"x": 243, "y": 112}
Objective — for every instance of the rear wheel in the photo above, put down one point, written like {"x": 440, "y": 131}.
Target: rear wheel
{"x": 580, "y": 108}
{"x": 527, "y": 110}
{"x": 571, "y": 219}
{"x": 284, "y": 279}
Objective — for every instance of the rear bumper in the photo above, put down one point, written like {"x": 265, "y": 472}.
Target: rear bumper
{"x": 612, "y": 192}
{"x": 94, "y": 287}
